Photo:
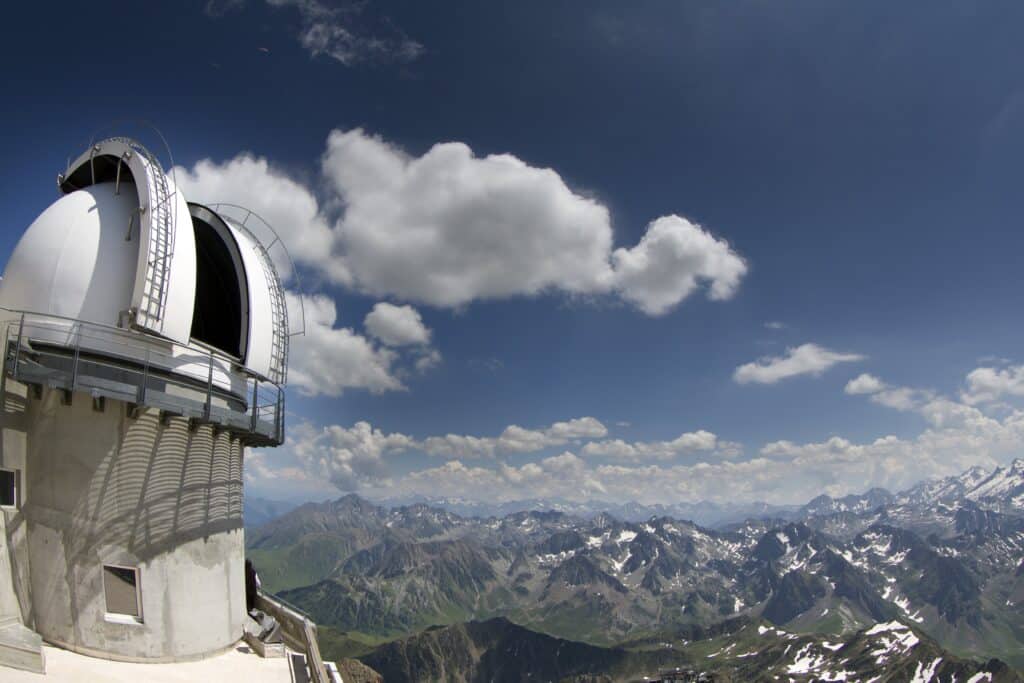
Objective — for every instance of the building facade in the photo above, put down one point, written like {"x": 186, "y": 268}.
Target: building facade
{"x": 145, "y": 347}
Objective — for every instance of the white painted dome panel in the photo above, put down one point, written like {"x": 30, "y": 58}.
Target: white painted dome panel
{"x": 181, "y": 293}
{"x": 261, "y": 318}
{"x": 73, "y": 260}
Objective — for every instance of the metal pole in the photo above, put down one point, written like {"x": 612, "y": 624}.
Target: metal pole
{"x": 255, "y": 395}
{"x": 280, "y": 415}
{"x": 141, "y": 398}
{"x": 17, "y": 348}
{"x": 74, "y": 365}
{"x": 209, "y": 388}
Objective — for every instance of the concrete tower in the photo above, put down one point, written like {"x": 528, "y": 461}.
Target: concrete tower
{"x": 145, "y": 346}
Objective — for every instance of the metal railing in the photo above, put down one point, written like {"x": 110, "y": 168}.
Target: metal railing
{"x": 298, "y": 630}
{"x": 142, "y": 369}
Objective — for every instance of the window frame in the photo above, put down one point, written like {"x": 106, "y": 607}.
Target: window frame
{"x": 17, "y": 488}
{"x": 121, "y": 617}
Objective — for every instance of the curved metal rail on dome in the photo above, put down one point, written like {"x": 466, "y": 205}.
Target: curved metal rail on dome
{"x": 279, "y": 307}
{"x": 109, "y": 362}
{"x": 157, "y": 208}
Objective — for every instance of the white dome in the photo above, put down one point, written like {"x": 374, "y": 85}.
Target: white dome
{"x": 143, "y": 259}
{"x": 74, "y": 261}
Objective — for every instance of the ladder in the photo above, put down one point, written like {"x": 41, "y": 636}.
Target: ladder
{"x": 161, "y": 208}
{"x": 279, "y": 309}
{"x": 278, "y": 306}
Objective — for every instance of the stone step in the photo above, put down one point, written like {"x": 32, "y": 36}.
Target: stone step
{"x": 21, "y": 648}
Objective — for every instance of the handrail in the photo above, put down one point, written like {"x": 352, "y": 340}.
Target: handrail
{"x": 77, "y": 355}
{"x": 296, "y": 626}
{"x": 313, "y": 658}
{"x": 135, "y": 335}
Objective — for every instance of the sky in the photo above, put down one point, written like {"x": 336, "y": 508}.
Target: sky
{"x": 655, "y": 250}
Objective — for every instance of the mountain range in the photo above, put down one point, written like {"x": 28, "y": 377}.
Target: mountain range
{"x": 945, "y": 558}
{"x": 705, "y": 513}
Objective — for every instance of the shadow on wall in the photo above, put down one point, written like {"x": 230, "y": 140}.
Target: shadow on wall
{"x": 135, "y": 484}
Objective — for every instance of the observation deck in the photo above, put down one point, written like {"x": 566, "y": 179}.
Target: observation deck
{"x": 204, "y": 386}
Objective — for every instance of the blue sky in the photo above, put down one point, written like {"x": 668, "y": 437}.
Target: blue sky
{"x": 849, "y": 171}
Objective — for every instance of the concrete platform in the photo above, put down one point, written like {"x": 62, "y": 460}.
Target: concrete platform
{"x": 237, "y": 664}
{"x": 21, "y": 648}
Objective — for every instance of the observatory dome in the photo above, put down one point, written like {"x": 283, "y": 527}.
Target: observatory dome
{"x": 74, "y": 260}
{"x": 123, "y": 248}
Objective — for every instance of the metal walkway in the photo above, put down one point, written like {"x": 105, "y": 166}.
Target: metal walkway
{"x": 141, "y": 370}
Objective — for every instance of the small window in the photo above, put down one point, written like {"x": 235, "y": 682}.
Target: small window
{"x": 8, "y": 488}
{"x": 121, "y": 588}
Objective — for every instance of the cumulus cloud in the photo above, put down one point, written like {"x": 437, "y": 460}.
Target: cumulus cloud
{"x": 348, "y": 457}
{"x": 864, "y": 384}
{"x": 357, "y": 456}
{"x": 448, "y": 228}
{"x": 806, "y": 359}
{"x": 396, "y": 325}
{"x": 688, "y": 442}
{"x": 515, "y": 439}
{"x": 987, "y": 384}
{"x": 550, "y": 477}
{"x": 673, "y": 256}
{"x": 899, "y": 398}
{"x": 957, "y": 436}
{"x": 327, "y": 359}
{"x": 288, "y": 206}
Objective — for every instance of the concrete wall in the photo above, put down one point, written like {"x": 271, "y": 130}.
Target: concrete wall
{"x": 15, "y": 599}
{"x": 104, "y": 488}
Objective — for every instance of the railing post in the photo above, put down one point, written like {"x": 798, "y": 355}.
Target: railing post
{"x": 17, "y": 347}
{"x": 279, "y": 418}
{"x": 141, "y": 392}
{"x": 255, "y": 398}
{"x": 207, "y": 409}
{"x": 74, "y": 364}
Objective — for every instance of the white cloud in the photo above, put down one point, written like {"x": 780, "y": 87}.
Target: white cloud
{"x": 864, "y": 384}
{"x": 775, "y": 325}
{"x": 688, "y": 442}
{"x": 459, "y": 446}
{"x": 987, "y": 384}
{"x": 958, "y": 436}
{"x": 898, "y": 398}
{"x": 449, "y": 228}
{"x": 515, "y": 439}
{"x": 901, "y": 398}
{"x": 328, "y": 359}
{"x": 578, "y": 428}
{"x": 347, "y": 456}
{"x": 426, "y": 359}
{"x": 806, "y": 359}
{"x": 396, "y": 325}
{"x": 330, "y": 30}
{"x": 288, "y": 206}
{"x": 673, "y": 256}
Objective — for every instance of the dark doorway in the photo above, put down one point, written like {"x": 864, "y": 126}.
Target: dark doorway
{"x": 217, "y": 316}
